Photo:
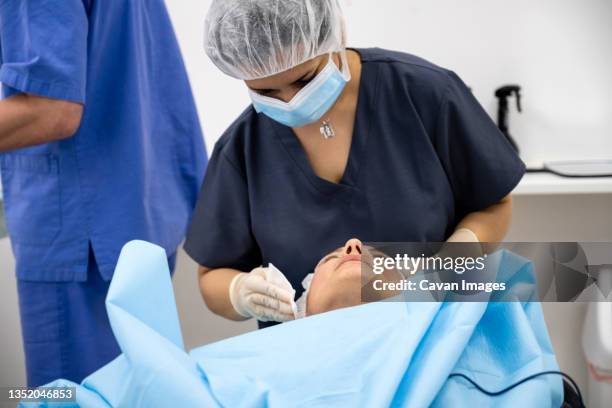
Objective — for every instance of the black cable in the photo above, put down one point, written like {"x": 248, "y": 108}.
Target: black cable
{"x": 528, "y": 378}
{"x": 537, "y": 170}
{"x": 565, "y": 175}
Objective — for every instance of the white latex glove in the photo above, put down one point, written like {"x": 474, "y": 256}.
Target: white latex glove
{"x": 463, "y": 235}
{"x": 253, "y": 295}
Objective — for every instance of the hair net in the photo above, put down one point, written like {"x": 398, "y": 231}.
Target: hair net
{"x": 252, "y": 39}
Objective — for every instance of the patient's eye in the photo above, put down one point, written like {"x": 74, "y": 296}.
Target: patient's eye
{"x": 328, "y": 258}
{"x": 375, "y": 253}
{"x": 337, "y": 253}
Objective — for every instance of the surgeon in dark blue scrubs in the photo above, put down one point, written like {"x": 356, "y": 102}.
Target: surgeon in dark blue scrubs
{"x": 102, "y": 145}
{"x": 338, "y": 143}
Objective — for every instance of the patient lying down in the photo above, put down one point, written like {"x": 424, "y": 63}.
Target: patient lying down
{"x": 274, "y": 367}
{"x": 340, "y": 279}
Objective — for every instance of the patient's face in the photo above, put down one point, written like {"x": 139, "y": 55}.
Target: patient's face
{"x": 338, "y": 277}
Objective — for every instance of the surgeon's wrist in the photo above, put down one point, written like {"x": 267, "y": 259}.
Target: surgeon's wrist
{"x": 234, "y": 295}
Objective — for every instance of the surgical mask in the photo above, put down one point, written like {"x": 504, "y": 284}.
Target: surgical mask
{"x": 312, "y": 101}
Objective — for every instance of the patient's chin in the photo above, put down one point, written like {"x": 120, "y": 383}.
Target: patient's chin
{"x": 341, "y": 296}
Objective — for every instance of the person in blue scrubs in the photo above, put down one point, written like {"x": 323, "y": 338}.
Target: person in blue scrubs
{"x": 338, "y": 143}
{"x": 101, "y": 144}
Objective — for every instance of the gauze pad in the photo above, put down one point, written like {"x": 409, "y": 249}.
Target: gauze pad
{"x": 276, "y": 277}
{"x": 301, "y": 303}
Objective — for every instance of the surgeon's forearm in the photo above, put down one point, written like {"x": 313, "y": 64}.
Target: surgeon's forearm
{"x": 27, "y": 120}
{"x": 214, "y": 286}
{"x": 490, "y": 224}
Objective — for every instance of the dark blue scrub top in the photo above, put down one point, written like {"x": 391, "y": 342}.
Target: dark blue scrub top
{"x": 133, "y": 169}
{"x": 424, "y": 154}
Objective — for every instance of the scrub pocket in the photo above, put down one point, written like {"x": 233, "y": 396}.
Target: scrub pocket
{"x": 31, "y": 198}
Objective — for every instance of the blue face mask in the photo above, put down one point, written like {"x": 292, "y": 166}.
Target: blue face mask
{"x": 311, "y": 102}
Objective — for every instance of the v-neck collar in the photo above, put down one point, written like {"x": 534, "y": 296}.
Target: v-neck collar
{"x": 363, "y": 120}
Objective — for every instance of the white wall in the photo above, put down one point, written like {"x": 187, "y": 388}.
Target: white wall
{"x": 558, "y": 50}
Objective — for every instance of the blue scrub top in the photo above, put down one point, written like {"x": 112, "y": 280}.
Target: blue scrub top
{"x": 424, "y": 154}
{"x": 133, "y": 169}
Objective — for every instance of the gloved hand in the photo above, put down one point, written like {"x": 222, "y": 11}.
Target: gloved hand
{"x": 467, "y": 244}
{"x": 252, "y": 295}
{"x": 463, "y": 235}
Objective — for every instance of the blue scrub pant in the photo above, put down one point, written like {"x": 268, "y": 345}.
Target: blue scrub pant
{"x": 65, "y": 328}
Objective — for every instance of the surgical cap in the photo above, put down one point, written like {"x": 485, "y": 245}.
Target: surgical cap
{"x": 252, "y": 39}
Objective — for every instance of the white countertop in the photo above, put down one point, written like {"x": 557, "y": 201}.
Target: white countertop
{"x": 547, "y": 183}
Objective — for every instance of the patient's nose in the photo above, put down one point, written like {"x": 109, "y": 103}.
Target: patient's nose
{"x": 352, "y": 246}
